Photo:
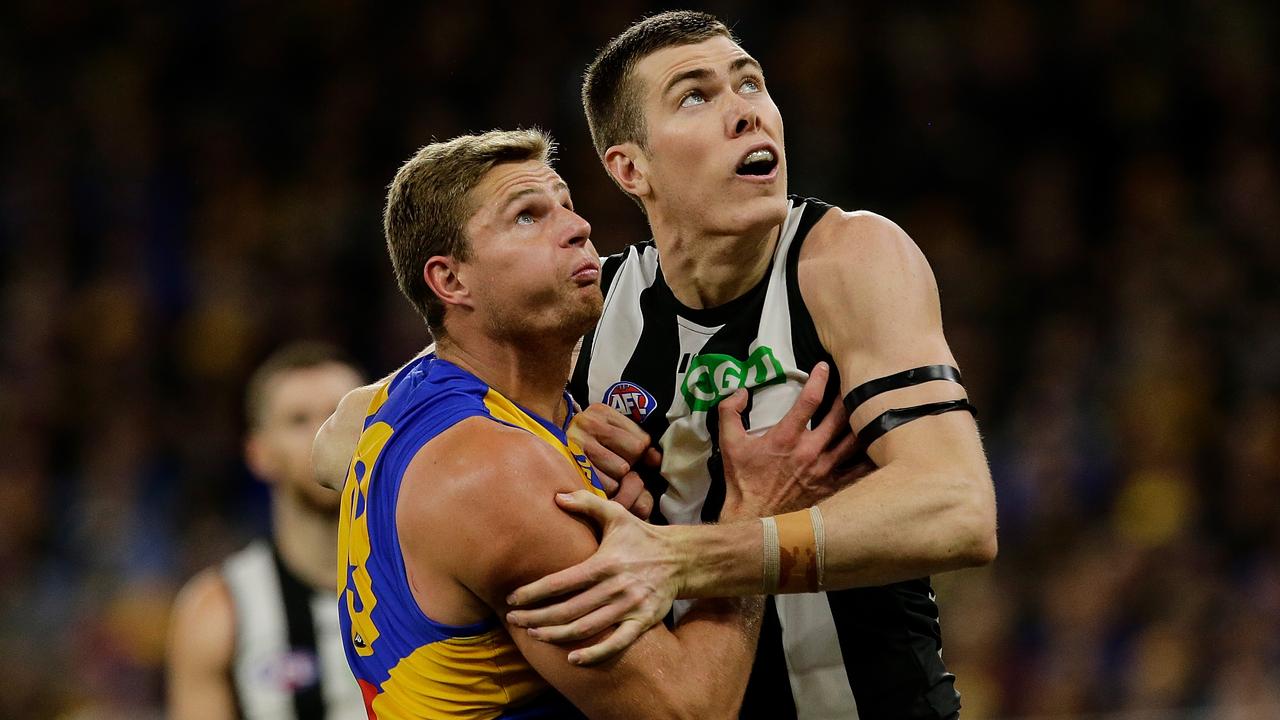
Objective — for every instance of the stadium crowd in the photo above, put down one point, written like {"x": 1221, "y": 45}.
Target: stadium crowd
{"x": 185, "y": 186}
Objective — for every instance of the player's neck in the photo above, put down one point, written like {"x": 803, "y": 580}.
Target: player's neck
{"x": 530, "y": 374}
{"x": 707, "y": 270}
{"x": 306, "y": 538}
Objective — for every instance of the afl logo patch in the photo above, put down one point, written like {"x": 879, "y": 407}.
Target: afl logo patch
{"x": 629, "y": 399}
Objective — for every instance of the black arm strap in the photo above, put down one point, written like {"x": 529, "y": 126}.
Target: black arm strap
{"x": 891, "y": 419}
{"x": 897, "y": 381}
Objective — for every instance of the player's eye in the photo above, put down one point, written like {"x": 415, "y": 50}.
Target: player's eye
{"x": 750, "y": 85}
{"x": 691, "y": 98}
{"x": 524, "y": 218}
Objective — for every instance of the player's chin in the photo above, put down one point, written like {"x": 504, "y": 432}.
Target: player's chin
{"x": 759, "y": 211}
{"x": 321, "y": 499}
{"x": 590, "y": 306}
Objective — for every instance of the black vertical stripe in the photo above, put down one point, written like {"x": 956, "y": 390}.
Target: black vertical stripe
{"x": 804, "y": 336}
{"x": 890, "y": 639}
{"x": 657, "y": 351}
{"x": 308, "y": 702}
{"x": 768, "y": 694}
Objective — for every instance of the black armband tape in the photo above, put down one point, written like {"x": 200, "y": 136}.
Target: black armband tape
{"x": 891, "y": 419}
{"x": 897, "y": 381}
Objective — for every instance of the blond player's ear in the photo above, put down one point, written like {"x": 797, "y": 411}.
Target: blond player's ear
{"x": 629, "y": 167}
{"x": 442, "y": 278}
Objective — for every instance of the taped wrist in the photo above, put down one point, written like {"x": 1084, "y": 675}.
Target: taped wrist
{"x": 794, "y": 552}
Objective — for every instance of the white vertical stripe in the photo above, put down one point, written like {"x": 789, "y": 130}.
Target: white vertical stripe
{"x": 262, "y": 635}
{"x": 819, "y": 682}
{"x": 341, "y": 694}
{"x": 615, "y": 340}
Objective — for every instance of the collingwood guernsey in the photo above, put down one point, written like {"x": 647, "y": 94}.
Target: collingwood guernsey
{"x": 867, "y": 653}
{"x": 288, "y": 660}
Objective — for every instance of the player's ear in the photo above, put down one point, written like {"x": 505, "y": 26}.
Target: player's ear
{"x": 629, "y": 167}
{"x": 259, "y": 459}
{"x": 443, "y": 278}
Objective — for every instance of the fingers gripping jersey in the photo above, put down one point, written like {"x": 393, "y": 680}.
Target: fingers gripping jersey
{"x": 408, "y": 665}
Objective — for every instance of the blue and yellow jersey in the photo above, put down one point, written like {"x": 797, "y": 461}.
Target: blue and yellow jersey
{"x": 408, "y": 665}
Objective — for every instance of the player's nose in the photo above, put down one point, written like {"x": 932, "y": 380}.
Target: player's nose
{"x": 742, "y": 117}
{"x": 578, "y": 231}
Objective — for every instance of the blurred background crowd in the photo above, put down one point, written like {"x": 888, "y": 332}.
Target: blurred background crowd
{"x": 184, "y": 186}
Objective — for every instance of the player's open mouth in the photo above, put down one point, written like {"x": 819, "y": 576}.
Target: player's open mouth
{"x": 760, "y": 162}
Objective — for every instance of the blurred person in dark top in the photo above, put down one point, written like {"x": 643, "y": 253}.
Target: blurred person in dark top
{"x": 257, "y": 637}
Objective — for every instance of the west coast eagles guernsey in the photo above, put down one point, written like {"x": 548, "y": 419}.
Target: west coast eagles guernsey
{"x": 408, "y": 665}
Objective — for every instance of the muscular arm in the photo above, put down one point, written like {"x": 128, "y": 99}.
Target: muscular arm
{"x": 201, "y": 644}
{"x": 504, "y": 482}
{"x": 930, "y": 506}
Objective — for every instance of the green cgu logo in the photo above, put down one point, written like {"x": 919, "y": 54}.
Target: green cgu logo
{"x": 713, "y": 377}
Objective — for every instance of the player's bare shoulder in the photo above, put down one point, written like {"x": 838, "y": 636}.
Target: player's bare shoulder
{"x": 336, "y": 440}
{"x": 861, "y": 245}
{"x": 202, "y": 626}
{"x": 479, "y": 457}
{"x": 863, "y": 280}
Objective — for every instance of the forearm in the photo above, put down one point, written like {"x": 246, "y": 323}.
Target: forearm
{"x": 898, "y": 524}
{"x": 686, "y": 684}
{"x": 720, "y": 560}
{"x": 892, "y": 525}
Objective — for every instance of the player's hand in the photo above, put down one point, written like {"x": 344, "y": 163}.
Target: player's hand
{"x": 632, "y": 495}
{"x": 630, "y": 581}
{"x": 615, "y": 445}
{"x": 790, "y": 466}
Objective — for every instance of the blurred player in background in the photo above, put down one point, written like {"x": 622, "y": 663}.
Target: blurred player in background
{"x": 257, "y": 637}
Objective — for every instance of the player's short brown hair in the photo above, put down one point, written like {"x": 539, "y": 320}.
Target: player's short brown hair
{"x": 429, "y": 203}
{"x": 301, "y": 355}
{"x": 610, "y": 96}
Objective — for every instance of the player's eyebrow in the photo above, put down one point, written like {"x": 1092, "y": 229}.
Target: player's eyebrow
{"x": 694, "y": 74}
{"x": 524, "y": 192}
{"x": 704, "y": 73}
{"x": 742, "y": 62}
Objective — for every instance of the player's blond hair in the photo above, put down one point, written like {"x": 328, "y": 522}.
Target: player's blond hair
{"x": 429, "y": 203}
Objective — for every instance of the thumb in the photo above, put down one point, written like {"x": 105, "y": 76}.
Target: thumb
{"x": 581, "y": 502}
{"x": 730, "y": 409}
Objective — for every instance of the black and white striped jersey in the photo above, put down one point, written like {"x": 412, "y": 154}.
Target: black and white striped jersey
{"x": 868, "y": 653}
{"x": 288, "y": 660}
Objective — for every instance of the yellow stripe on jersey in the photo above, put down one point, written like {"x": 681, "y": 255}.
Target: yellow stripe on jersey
{"x": 506, "y": 411}
{"x": 439, "y": 681}
{"x": 353, "y": 555}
